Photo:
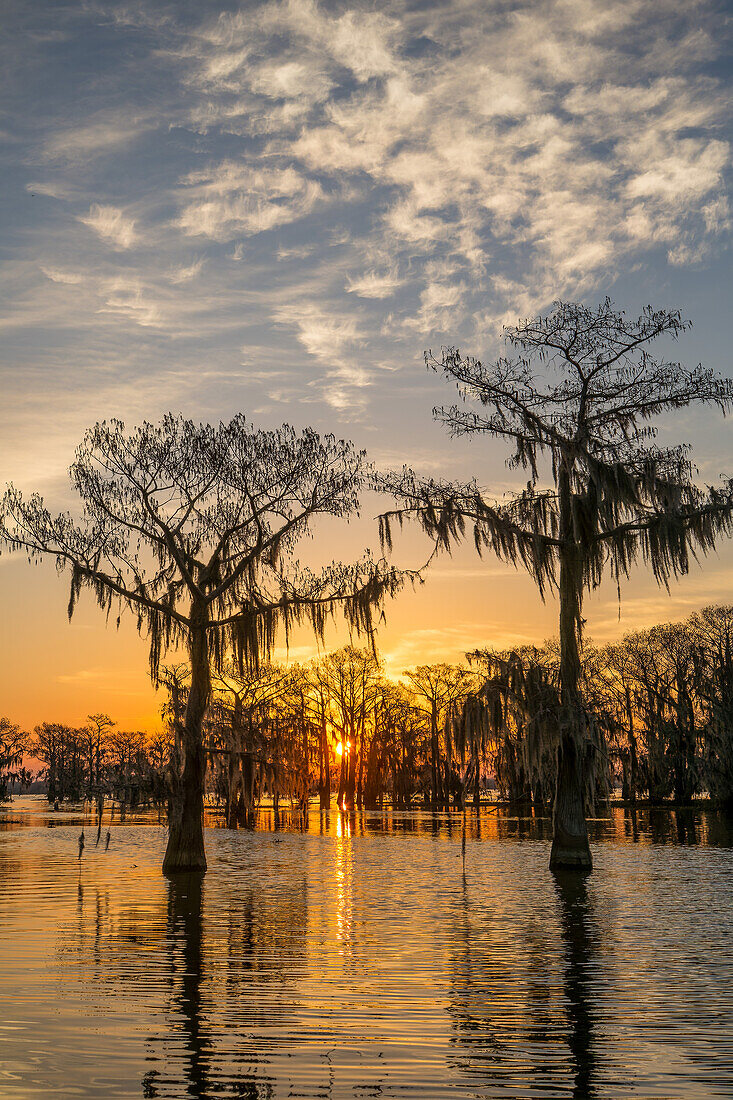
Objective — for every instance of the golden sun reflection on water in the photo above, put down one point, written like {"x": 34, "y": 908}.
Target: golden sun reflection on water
{"x": 343, "y": 870}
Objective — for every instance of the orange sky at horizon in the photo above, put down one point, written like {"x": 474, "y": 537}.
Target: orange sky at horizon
{"x": 57, "y": 671}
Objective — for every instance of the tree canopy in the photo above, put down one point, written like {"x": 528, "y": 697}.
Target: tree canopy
{"x": 579, "y": 391}
{"x": 178, "y": 514}
{"x": 574, "y": 400}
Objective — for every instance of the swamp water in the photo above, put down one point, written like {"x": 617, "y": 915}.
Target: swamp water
{"x": 357, "y": 960}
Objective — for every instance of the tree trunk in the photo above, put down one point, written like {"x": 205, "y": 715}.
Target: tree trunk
{"x": 570, "y": 846}
{"x": 52, "y": 795}
{"x": 477, "y": 783}
{"x": 570, "y": 834}
{"x": 234, "y": 779}
{"x": 185, "y": 851}
{"x": 246, "y": 811}
{"x": 360, "y": 773}
{"x": 342, "y": 777}
{"x": 351, "y": 761}
{"x": 434, "y": 762}
{"x": 324, "y": 786}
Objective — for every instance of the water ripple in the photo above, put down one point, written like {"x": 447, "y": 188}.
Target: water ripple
{"x": 361, "y": 958}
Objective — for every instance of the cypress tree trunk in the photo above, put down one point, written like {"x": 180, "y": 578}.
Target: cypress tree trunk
{"x": 350, "y": 757}
{"x": 185, "y": 851}
{"x": 234, "y": 780}
{"x": 477, "y": 784}
{"x": 360, "y": 773}
{"x": 246, "y": 811}
{"x": 350, "y": 792}
{"x": 569, "y": 830}
{"x": 324, "y": 786}
{"x": 434, "y": 763}
{"x": 342, "y": 779}
{"x": 51, "y": 795}
{"x": 625, "y": 788}
{"x": 305, "y": 799}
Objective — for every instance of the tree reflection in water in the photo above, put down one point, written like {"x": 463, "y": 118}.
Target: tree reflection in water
{"x": 575, "y": 918}
{"x": 221, "y": 981}
{"x": 184, "y": 936}
{"x": 508, "y": 994}
{"x": 503, "y": 992}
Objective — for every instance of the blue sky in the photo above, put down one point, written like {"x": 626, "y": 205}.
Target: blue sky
{"x": 274, "y": 208}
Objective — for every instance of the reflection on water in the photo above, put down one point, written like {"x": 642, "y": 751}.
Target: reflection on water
{"x": 185, "y": 934}
{"x": 344, "y": 887}
{"x": 575, "y": 917}
{"x": 366, "y": 957}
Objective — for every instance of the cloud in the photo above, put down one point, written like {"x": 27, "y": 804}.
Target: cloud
{"x": 128, "y": 298}
{"x": 56, "y": 190}
{"x": 187, "y": 271}
{"x": 408, "y": 172}
{"x": 334, "y": 341}
{"x": 69, "y": 278}
{"x": 372, "y": 284}
{"x": 231, "y": 199}
{"x": 324, "y": 335}
{"x": 104, "y": 135}
{"x": 449, "y": 643}
{"x": 440, "y": 304}
{"x": 112, "y": 225}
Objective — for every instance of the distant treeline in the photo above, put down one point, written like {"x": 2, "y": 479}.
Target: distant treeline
{"x": 660, "y": 726}
{"x": 658, "y": 706}
{"x": 92, "y": 763}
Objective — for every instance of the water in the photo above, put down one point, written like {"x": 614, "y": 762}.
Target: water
{"x": 357, "y": 960}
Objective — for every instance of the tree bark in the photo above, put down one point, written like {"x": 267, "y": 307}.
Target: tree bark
{"x": 570, "y": 846}
{"x": 342, "y": 778}
{"x": 477, "y": 784}
{"x": 185, "y": 851}
{"x": 351, "y": 761}
{"x": 324, "y": 787}
{"x": 434, "y": 761}
{"x": 570, "y": 833}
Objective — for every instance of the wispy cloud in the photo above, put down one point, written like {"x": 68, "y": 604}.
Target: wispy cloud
{"x": 375, "y": 284}
{"x": 529, "y": 139}
{"x": 68, "y": 278}
{"x": 185, "y": 272}
{"x": 112, "y": 225}
{"x": 232, "y": 199}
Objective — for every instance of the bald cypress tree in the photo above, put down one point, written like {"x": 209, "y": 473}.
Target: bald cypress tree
{"x": 193, "y": 528}
{"x": 573, "y": 399}
{"x": 13, "y": 744}
{"x": 437, "y": 688}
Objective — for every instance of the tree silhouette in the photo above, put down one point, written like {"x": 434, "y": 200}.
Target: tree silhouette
{"x": 573, "y": 400}
{"x": 193, "y": 528}
{"x": 436, "y": 689}
{"x": 13, "y": 744}
{"x": 352, "y": 678}
{"x": 248, "y": 704}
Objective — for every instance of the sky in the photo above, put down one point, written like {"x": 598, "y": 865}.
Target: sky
{"x": 275, "y": 208}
